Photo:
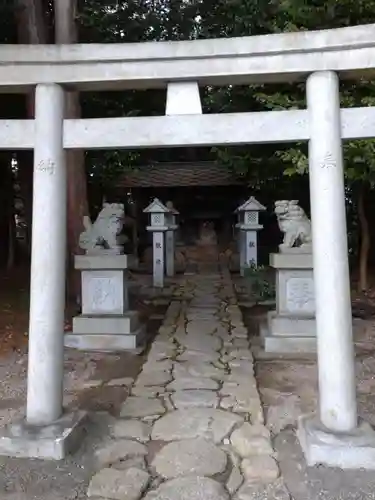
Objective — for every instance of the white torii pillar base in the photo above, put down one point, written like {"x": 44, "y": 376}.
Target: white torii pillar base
{"x": 48, "y": 442}
{"x": 349, "y": 450}
{"x": 333, "y": 437}
{"x": 47, "y": 432}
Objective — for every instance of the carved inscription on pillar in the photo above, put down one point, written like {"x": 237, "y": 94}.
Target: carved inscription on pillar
{"x": 328, "y": 161}
{"x": 46, "y": 166}
{"x": 300, "y": 295}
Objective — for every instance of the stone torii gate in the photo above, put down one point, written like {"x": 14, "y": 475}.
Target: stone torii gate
{"x": 334, "y": 436}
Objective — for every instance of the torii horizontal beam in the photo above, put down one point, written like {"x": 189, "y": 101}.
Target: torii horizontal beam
{"x": 188, "y": 130}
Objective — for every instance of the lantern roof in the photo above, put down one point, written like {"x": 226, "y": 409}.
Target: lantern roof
{"x": 251, "y": 205}
{"x": 156, "y": 207}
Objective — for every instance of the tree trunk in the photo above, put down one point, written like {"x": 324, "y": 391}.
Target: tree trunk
{"x": 11, "y": 239}
{"x": 32, "y": 29}
{"x": 31, "y": 22}
{"x": 365, "y": 239}
{"x": 65, "y": 33}
{"x": 6, "y": 210}
{"x": 25, "y": 177}
{"x": 135, "y": 225}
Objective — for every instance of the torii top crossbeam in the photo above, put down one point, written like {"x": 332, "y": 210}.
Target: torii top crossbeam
{"x": 257, "y": 59}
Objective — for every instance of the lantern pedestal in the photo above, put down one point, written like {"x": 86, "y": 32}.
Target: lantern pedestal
{"x": 158, "y": 255}
{"x": 248, "y": 245}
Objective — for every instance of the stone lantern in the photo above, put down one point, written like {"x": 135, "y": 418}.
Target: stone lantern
{"x": 170, "y": 238}
{"x": 158, "y": 226}
{"x": 248, "y": 225}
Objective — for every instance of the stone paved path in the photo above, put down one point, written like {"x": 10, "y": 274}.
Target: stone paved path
{"x": 193, "y": 426}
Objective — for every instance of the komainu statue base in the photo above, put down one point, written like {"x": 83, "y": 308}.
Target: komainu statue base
{"x": 106, "y": 323}
{"x": 291, "y": 327}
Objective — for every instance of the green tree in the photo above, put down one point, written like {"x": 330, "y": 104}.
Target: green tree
{"x": 257, "y": 165}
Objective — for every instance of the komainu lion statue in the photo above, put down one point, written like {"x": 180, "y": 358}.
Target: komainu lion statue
{"x": 103, "y": 234}
{"x": 295, "y": 225}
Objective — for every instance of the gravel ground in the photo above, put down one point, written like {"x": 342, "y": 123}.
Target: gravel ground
{"x": 24, "y": 479}
{"x": 289, "y": 388}
{"x": 319, "y": 483}
{"x": 85, "y": 387}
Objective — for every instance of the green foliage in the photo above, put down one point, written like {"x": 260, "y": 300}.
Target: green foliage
{"x": 259, "y": 165}
{"x": 105, "y": 167}
{"x": 137, "y": 20}
{"x": 261, "y": 288}
{"x": 359, "y": 155}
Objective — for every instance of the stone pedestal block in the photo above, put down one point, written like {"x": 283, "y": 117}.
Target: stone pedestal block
{"x": 291, "y": 328}
{"x": 106, "y": 324}
{"x": 104, "y": 284}
{"x": 48, "y": 442}
{"x": 347, "y": 450}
